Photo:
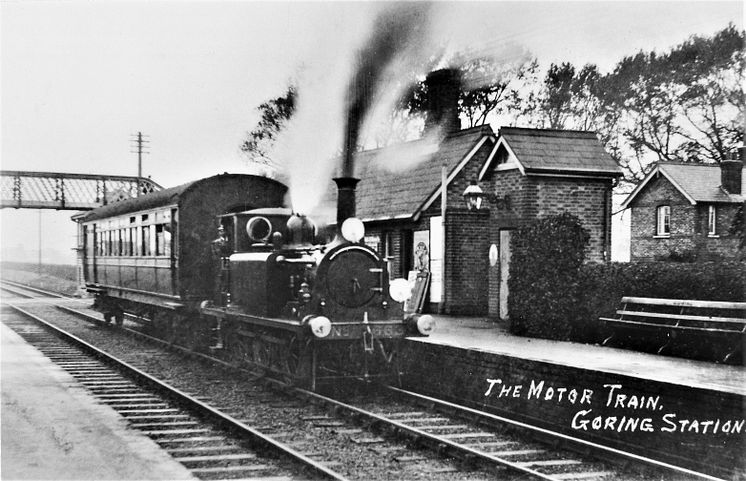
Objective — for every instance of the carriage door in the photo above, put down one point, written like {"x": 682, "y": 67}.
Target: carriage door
{"x": 94, "y": 252}
{"x": 504, "y": 272}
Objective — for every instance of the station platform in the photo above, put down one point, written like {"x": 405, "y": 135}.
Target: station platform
{"x": 488, "y": 336}
{"x": 681, "y": 411}
{"x": 52, "y": 429}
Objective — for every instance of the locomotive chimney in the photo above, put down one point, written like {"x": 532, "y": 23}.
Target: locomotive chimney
{"x": 731, "y": 173}
{"x": 443, "y": 89}
{"x": 345, "y": 198}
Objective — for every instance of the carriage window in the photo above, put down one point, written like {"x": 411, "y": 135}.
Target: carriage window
{"x": 96, "y": 241}
{"x": 145, "y": 241}
{"x": 163, "y": 240}
{"x": 90, "y": 242}
{"x": 127, "y": 242}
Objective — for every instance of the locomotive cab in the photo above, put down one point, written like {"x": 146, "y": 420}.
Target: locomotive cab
{"x": 256, "y": 230}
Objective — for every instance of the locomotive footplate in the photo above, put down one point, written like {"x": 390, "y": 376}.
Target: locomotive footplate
{"x": 234, "y": 315}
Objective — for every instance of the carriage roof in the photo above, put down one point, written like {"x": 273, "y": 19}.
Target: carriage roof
{"x": 154, "y": 200}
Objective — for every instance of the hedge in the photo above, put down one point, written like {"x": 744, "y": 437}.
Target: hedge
{"x": 601, "y": 286}
{"x": 545, "y": 259}
{"x": 554, "y": 295}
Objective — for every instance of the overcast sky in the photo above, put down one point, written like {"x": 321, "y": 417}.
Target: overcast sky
{"x": 80, "y": 77}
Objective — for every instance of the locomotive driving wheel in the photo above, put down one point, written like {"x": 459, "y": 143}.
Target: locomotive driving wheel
{"x": 292, "y": 356}
{"x": 262, "y": 352}
{"x": 238, "y": 349}
{"x": 297, "y": 362}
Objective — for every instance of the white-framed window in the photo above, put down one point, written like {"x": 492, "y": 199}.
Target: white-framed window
{"x": 663, "y": 220}
{"x": 712, "y": 220}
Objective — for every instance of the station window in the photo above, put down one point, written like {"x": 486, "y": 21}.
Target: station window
{"x": 663, "y": 220}
{"x": 502, "y": 156}
{"x": 712, "y": 220}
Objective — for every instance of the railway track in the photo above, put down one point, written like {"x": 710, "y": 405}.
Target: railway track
{"x": 390, "y": 425}
{"x": 299, "y": 426}
{"x": 211, "y": 444}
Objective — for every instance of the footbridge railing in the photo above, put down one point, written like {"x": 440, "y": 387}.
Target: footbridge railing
{"x": 63, "y": 191}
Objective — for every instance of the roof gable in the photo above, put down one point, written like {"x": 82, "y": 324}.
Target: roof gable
{"x": 696, "y": 182}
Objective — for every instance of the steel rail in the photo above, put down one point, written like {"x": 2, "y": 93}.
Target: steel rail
{"x": 16, "y": 291}
{"x": 35, "y": 289}
{"x": 188, "y": 402}
{"x": 571, "y": 439}
{"x": 439, "y": 443}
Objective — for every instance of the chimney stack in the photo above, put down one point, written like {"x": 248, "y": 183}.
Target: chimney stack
{"x": 345, "y": 198}
{"x": 731, "y": 172}
{"x": 443, "y": 89}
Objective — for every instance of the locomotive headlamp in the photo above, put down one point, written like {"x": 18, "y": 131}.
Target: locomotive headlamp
{"x": 421, "y": 324}
{"x": 425, "y": 324}
{"x": 400, "y": 290}
{"x": 320, "y": 326}
{"x": 353, "y": 229}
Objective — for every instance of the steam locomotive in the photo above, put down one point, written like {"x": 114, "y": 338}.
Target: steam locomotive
{"x": 272, "y": 291}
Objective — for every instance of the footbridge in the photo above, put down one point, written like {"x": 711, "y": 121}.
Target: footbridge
{"x": 64, "y": 191}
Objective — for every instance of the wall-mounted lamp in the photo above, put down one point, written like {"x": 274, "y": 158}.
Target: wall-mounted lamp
{"x": 474, "y": 196}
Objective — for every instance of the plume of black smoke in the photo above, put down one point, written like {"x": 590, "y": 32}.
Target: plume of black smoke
{"x": 395, "y": 28}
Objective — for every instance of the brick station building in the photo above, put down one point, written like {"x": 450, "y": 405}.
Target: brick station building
{"x": 525, "y": 174}
{"x": 686, "y": 209}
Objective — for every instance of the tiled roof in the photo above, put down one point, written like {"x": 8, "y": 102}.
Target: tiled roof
{"x": 697, "y": 182}
{"x": 397, "y": 180}
{"x": 701, "y": 182}
{"x": 559, "y": 150}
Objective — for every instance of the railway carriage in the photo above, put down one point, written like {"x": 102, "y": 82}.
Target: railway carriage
{"x": 153, "y": 252}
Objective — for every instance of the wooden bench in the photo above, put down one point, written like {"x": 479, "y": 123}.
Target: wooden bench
{"x": 719, "y": 325}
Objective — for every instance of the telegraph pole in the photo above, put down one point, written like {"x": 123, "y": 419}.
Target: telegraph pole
{"x": 39, "y": 263}
{"x": 140, "y": 144}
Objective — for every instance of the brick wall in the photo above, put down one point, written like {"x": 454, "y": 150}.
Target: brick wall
{"x": 688, "y": 226}
{"x": 461, "y": 375}
{"x": 467, "y": 263}
{"x": 723, "y": 245}
{"x": 534, "y": 197}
